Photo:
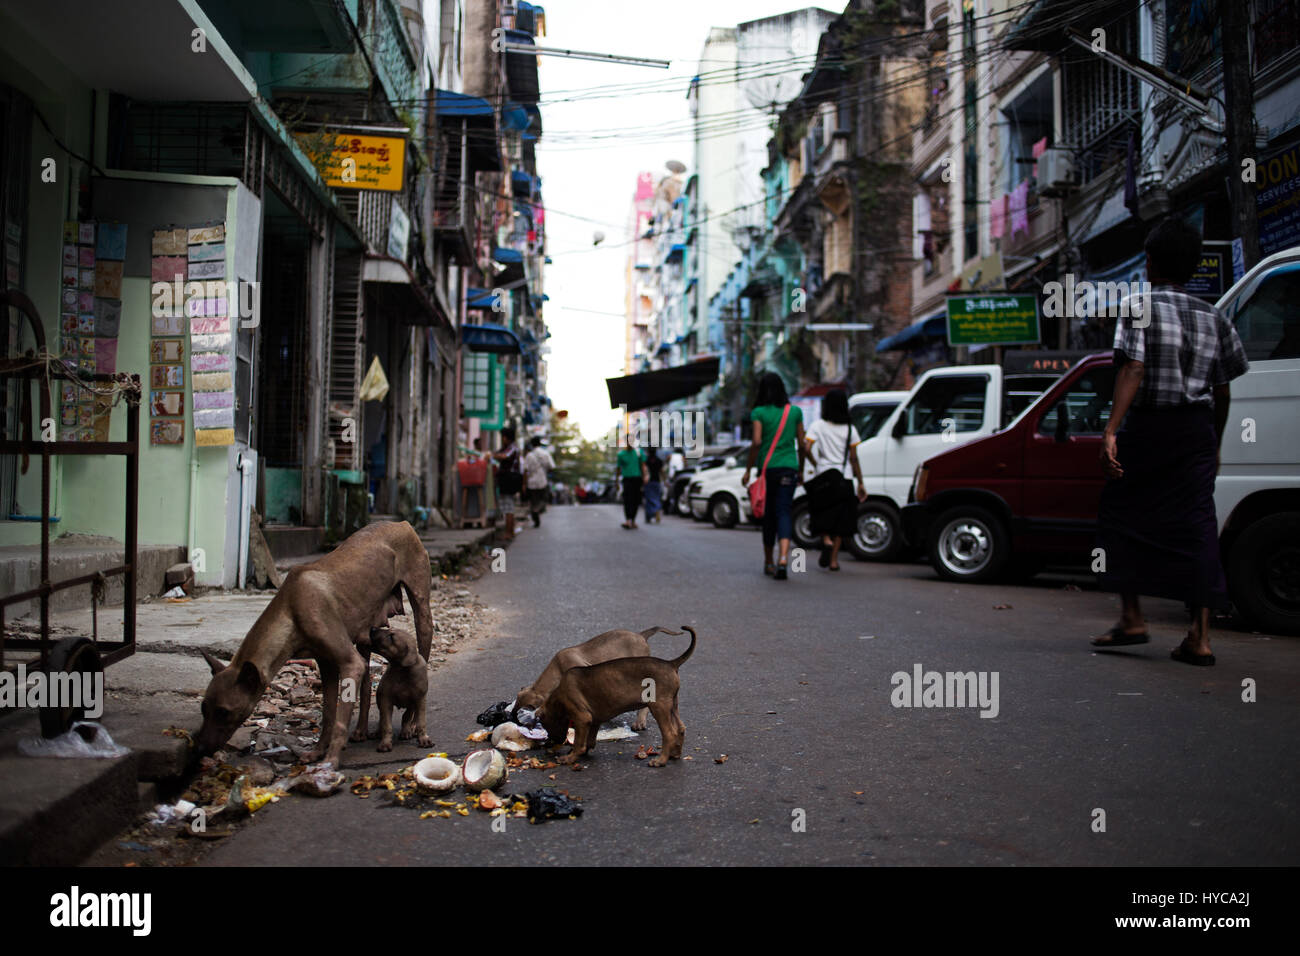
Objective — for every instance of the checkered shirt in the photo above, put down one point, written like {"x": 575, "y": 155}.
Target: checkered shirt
{"x": 1186, "y": 345}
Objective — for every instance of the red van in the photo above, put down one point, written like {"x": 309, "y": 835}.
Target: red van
{"x": 1024, "y": 497}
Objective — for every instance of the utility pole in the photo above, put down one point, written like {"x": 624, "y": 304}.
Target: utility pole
{"x": 1239, "y": 96}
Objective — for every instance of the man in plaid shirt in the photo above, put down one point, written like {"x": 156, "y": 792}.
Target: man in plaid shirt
{"x": 1157, "y": 528}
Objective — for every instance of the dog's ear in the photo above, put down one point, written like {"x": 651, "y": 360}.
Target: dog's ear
{"x": 214, "y": 663}
{"x": 250, "y": 678}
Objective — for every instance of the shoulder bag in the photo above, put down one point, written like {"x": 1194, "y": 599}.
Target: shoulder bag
{"x": 758, "y": 487}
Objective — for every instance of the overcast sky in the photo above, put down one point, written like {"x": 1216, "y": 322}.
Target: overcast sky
{"x": 595, "y": 178}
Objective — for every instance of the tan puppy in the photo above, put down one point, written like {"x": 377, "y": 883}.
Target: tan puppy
{"x": 603, "y": 647}
{"x": 588, "y": 696}
{"x": 405, "y": 684}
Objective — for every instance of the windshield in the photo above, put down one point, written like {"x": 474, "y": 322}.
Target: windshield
{"x": 868, "y": 418}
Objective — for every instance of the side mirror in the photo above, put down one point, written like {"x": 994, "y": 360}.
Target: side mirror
{"x": 730, "y": 462}
{"x": 900, "y": 426}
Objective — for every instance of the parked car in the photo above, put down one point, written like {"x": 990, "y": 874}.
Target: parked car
{"x": 721, "y": 498}
{"x": 1028, "y": 496}
{"x": 947, "y": 407}
{"x": 676, "y": 499}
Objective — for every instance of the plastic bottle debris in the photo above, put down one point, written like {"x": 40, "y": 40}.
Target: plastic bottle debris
{"x": 547, "y": 803}
{"x": 498, "y": 713}
{"x": 85, "y": 739}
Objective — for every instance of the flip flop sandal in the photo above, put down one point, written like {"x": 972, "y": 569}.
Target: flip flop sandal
{"x": 825, "y": 559}
{"x": 769, "y": 569}
{"x": 1187, "y": 657}
{"x": 1116, "y": 637}
{"x": 780, "y": 572}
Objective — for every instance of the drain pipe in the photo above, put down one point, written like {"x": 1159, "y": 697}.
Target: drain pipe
{"x": 245, "y": 515}
{"x": 189, "y": 533}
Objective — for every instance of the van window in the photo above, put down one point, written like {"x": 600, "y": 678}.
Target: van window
{"x": 1269, "y": 323}
{"x": 867, "y": 419}
{"x": 1085, "y": 407}
{"x": 959, "y": 397}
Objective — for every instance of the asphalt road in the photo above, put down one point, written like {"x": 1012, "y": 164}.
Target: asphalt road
{"x": 792, "y": 681}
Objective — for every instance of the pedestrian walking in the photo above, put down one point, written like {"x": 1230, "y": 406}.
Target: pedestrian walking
{"x": 510, "y": 478}
{"x": 654, "y": 488}
{"x": 1157, "y": 529}
{"x": 832, "y": 499}
{"x": 631, "y": 468}
{"x": 537, "y": 464}
{"x": 778, "y": 436}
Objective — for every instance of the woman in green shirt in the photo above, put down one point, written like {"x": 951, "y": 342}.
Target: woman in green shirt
{"x": 785, "y": 468}
{"x": 631, "y": 468}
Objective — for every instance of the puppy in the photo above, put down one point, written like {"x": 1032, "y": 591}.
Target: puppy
{"x": 588, "y": 696}
{"x": 405, "y": 684}
{"x": 603, "y": 647}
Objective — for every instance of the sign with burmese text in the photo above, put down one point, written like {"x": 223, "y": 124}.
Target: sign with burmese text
{"x": 993, "y": 319}
{"x": 353, "y": 161}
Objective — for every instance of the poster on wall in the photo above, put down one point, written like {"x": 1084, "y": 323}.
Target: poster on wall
{"x": 167, "y": 337}
{"x": 90, "y": 320}
{"x": 212, "y": 378}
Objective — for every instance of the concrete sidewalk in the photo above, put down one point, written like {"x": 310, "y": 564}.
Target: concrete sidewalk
{"x": 56, "y": 811}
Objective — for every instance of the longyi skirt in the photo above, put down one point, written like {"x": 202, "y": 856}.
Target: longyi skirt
{"x": 1156, "y": 524}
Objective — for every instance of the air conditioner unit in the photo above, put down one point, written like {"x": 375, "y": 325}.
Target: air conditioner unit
{"x": 1056, "y": 173}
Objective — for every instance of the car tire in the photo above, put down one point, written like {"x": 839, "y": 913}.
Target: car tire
{"x": 724, "y": 511}
{"x": 684, "y": 504}
{"x": 801, "y": 523}
{"x": 1264, "y": 573}
{"x": 969, "y": 544}
{"x": 879, "y": 533}
{"x": 71, "y": 655}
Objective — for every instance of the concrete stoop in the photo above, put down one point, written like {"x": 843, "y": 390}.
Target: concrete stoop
{"x": 53, "y": 811}
{"x": 20, "y": 570}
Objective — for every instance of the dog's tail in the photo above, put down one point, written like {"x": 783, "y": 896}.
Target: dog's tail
{"x": 648, "y": 632}
{"x": 689, "y": 651}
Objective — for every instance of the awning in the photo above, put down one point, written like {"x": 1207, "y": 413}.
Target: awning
{"x": 507, "y": 256}
{"x": 478, "y": 120}
{"x": 521, "y": 184}
{"x": 663, "y": 386}
{"x": 479, "y": 298}
{"x": 391, "y": 287}
{"x": 490, "y": 338}
{"x": 916, "y": 334}
{"x": 521, "y": 69}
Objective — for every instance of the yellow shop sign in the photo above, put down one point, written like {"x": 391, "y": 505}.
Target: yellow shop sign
{"x": 353, "y": 161}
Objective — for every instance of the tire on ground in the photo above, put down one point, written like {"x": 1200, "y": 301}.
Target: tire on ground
{"x": 969, "y": 543}
{"x": 879, "y": 534}
{"x": 1264, "y": 573}
{"x": 723, "y": 510}
{"x": 801, "y": 519}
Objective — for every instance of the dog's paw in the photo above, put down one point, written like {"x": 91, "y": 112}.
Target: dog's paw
{"x": 425, "y": 740}
{"x": 659, "y": 761}
{"x": 384, "y": 746}
{"x": 567, "y": 758}
{"x": 357, "y": 736}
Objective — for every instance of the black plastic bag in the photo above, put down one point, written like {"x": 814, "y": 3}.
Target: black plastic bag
{"x": 498, "y": 713}
{"x": 547, "y": 802}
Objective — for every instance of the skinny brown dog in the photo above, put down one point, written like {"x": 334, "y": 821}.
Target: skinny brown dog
{"x": 588, "y": 696}
{"x": 324, "y": 610}
{"x": 603, "y": 647}
{"x": 405, "y": 684}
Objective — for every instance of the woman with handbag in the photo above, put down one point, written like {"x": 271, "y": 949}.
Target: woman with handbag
{"x": 778, "y": 436}
{"x": 832, "y": 445}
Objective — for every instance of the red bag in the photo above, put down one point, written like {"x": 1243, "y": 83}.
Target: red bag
{"x": 758, "y": 487}
{"x": 472, "y": 472}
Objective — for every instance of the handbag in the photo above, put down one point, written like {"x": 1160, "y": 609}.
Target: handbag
{"x": 758, "y": 488}
{"x": 831, "y": 487}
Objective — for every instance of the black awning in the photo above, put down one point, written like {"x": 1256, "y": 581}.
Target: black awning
{"x": 663, "y": 386}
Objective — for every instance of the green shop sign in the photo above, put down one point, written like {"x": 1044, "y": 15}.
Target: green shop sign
{"x": 991, "y": 319}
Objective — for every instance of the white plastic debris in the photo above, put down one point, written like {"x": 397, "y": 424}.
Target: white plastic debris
{"x": 176, "y": 592}
{"x": 621, "y": 732}
{"x": 85, "y": 739}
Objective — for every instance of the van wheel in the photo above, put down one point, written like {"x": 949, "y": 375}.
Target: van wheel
{"x": 970, "y": 544}
{"x": 802, "y": 522}
{"x": 723, "y": 511}
{"x": 71, "y": 655}
{"x": 879, "y": 534}
{"x": 1264, "y": 573}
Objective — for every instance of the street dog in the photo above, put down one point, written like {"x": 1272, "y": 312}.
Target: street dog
{"x": 324, "y": 610}
{"x": 588, "y": 696}
{"x": 405, "y": 684}
{"x": 603, "y": 647}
